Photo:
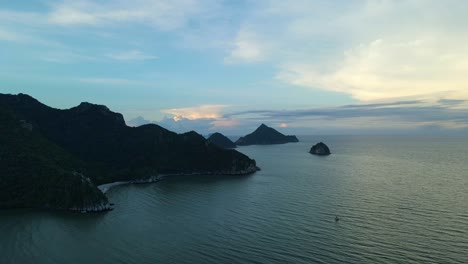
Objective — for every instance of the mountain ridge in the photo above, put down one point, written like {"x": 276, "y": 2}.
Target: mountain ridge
{"x": 221, "y": 141}
{"x": 109, "y": 150}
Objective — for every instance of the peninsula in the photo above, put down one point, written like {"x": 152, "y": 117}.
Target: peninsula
{"x": 52, "y": 158}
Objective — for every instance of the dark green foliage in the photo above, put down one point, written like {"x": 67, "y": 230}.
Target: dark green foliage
{"x": 44, "y": 150}
{"x": 37, "y": 173}
{"x": 265, "y": 135}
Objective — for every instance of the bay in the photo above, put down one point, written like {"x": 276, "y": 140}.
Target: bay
{"x": 401, "y": 199}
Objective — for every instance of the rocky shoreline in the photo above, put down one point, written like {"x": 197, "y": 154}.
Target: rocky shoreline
{"x": 93, "y": 209}
{"x": 104, "y": 188}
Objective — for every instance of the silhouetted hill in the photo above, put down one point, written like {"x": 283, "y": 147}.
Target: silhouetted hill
{"x": 111, "y": 151}
{"x": 265, "y": 135}
{"x": 221, "y": 141}
{"x": 37, "y": 173}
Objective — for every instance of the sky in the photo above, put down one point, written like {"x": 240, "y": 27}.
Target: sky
{"x": 301, "y": 66}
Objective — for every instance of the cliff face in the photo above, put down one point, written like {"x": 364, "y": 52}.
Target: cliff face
{"x": 265, "y": 135}
{"x": 97, "y": 145}
{"x": 221, "y": 141}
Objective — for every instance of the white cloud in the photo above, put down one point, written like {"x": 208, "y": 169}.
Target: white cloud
{"x": 198, "y": 112}
{"x": 246, "y": 48}
{"x": 369, "y": 49}
{"x": 133, "y": 55}
{"x": 385, "y": 69}
{"x": 165, "y": 15}
{"x": 70, "y": 13}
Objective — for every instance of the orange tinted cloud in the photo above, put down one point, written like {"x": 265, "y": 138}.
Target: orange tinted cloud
{"x": 198, "y": 112}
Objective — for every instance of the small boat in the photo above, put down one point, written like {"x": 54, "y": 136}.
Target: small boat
{"x": 337, "y": 219}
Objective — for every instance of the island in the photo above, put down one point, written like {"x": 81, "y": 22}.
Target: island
{"x": 320, "y": 149}
{"x": 56, "y": 159}
{"x": 265, "y": 135}
{"x": 221, "y": 141}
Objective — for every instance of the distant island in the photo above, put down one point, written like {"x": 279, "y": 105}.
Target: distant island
{"x": 320, "y": 149}
{"x": 221, "y": 141}
{"x": 265, "y": 135}
{"x": 52, "y": 158}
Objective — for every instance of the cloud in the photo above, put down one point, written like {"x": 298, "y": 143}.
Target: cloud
{"x": 182, "y": 125}
{"x": 369, "y": 49}
{"x": 224, "y": 122}
{"x": 246, "y": 48}
{"x": 204, "y": 119}
{"x": 386, "y": 117}
{"x": 395, "y": 115}
{"x": 133, "y": 55}
{"x": 79, "y": 12}
{"x": 165, "y": 15}
{"x": 202, "y": 125}
{"x": 98, "y": 22}
{"x": 385, "y": 69}
{"x": 198, "y": 112}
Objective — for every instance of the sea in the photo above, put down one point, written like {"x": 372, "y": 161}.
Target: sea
{"x": 399, "y": 199}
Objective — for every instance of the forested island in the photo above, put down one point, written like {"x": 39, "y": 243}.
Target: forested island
{"x": 52, "y": 158}
{"x": 265, "y": 135}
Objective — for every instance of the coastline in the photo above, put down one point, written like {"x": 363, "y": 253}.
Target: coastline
{"x": 104, "y": 188}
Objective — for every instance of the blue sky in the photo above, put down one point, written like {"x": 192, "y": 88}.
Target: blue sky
{"x": 302, "y": 66}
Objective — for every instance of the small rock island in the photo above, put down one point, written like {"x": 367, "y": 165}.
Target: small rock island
{"x": 320, "y": 149}
{"x": 265, "y": 135}
{"x": 221, "y": 141}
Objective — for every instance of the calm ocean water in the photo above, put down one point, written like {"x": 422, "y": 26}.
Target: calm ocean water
{"x": 400, "y": 200}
